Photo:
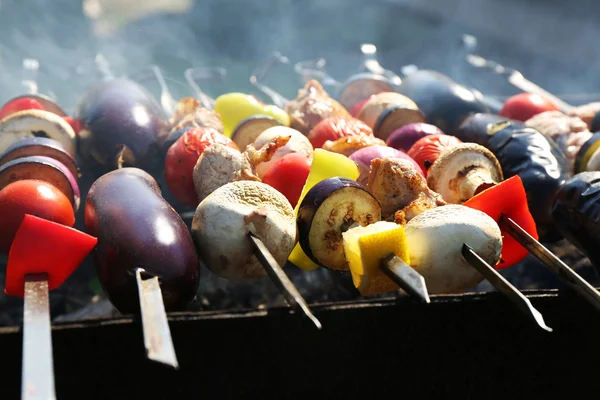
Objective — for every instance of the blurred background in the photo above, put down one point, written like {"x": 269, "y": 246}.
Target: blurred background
{"x": 65, "y": 46}
{"x": 550, "y": 41}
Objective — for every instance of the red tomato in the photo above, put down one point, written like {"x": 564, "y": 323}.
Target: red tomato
{"x": 523, "y": 106}
{"x": 33, "y": 197}
{"x": 75, "y": 124}
{"x": 288, "y": 175}
{"x": 19, "y": 105}
{"x": 333, "y": 128}
{"x": 181, "y": 160}
{"x": 427, "y": 149}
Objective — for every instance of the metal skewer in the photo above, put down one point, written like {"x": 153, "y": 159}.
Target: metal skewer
{"x": 167, "y": 101}
{"x": 38, "y": 362}
{"x": 515, "y": 77}
{"x": 281, "y": 280}
{"x": 192, "y": 75}
{"x": 553, "y": 263}
{"x": 157, "y": 335}
{"x": 503, "y": 286}
{"x": 405, "y": 276}
{"x": 371, "y": 64}
{"x": 259, "y": 74}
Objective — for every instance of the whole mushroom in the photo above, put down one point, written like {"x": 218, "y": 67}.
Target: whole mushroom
{"x": 462, "y": 171}
{"x": 435, "y": 239}
{"x": 224, "y": 219}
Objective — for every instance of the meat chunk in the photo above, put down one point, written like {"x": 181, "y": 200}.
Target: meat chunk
{"x": 220, "y": 164}
{"x": 399, "y": 187}
{"x": 569, "y": 132}
{"x": 191, "y": 114}
{"x": 349, "y": 144}
{"x": 313, "y": 105}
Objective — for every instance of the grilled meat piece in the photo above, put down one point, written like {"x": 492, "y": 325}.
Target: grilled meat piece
{"x": 398, "y": 186}
{"x": 349, "y": 144}
{"x": 191, "y": 114}
{"x": 313, "y": 105}
{"x": 586, "y": 112}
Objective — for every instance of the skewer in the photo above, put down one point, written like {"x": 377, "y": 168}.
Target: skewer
{"x": 553, "y": 263}
{"x": 515, "y": 77}
{"x": 259, "y": 74}
{"x": 38, "y": 363}
{"x": 30, "y": 72}
{"x": 203, "y": 73}
{"x": 157, "y": 335}
{"x": 281, "y": 280}
{"x": 503, "y": 286}
{"x": 371, "y": 64}
{"x": 315, "y": 69}
{"x": 167, "y": 101}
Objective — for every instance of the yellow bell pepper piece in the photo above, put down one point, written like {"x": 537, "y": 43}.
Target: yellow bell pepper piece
{"x": 364, "y": 248}
{"x": 325, "y": 165}
{"x": 236, "y": 107}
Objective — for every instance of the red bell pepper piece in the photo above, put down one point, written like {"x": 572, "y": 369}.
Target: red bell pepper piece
{"x": 507, "y": 198}
{"x": 21, "y": 104}
{"x": 42, "y": 246}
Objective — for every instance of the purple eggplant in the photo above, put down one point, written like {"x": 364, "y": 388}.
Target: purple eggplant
{"x": 329, "y": 209}
{"x": 120, "y": 120}
{"x": 403, "y": 138}
{"x": 136, "y": 227}
{"x": 38, "y": 146}
{"x": 44, "y": 169}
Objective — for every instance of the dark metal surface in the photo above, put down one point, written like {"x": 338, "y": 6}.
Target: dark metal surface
{"x": 465, "y": 347}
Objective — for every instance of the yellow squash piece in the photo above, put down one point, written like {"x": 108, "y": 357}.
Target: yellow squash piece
{"x": 236, "y": 107}
{"x": 365, "y": 247}
{"x": 325, "y": 165}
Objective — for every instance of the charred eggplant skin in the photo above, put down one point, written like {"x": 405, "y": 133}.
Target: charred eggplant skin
{"x": 444, "y": 102}
{"x": 311, "y": 203}
{"x": 576, "y": 213}
{"x": 120, "y": 113}
{"x": 136, "y": 227}
{"x": 525, "y": 152}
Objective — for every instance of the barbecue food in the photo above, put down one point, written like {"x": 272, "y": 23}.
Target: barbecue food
{"x": 191, "y": 114}
{"x": 524, "y": 106}
{"x": 351, "y": 144}
{"x": 404, "y": 138}
{"x": 137, "y": 228}
{"x": 313, "y": 105}
{"x": 435, "y": 239}
{"x": 398, "y": 186}
{"x": 120, "y": 121}
{"x": 588, "y": 113}
{"x": 298, "y": 143}
{"x": 220, "y": 164}
{"x": 329, "y": 209}
{"x": 568, "y": 132}
{"x": 526, "y": 152}
{"x": 224, "y": 219}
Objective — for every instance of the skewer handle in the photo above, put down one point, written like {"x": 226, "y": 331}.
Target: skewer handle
{"x": 38, "y": 363}
{"x": 281, "y": 280}
{"x": 157, "y": 335}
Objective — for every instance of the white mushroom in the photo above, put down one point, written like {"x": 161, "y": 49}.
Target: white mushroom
{"x": 435, "y": 239}
{"x": 223, "y": 220}
{"x": 31, "y": 123}
{"x": 462, "y": 171}
{"x": 298, "y": 144}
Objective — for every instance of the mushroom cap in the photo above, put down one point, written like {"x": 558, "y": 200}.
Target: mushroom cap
{"x": 224, "y": 219}
{"x": 217, "y": 165}
{"x": 370, "y": 112}
{"x": 454, "y": 163}
{"x": 435, "y": 238}
{"x": 297, "y": 144}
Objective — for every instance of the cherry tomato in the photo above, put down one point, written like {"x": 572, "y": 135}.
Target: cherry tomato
{"x": 288, "y": 175}
{"x": 427, "y": 149}
{"x": 333, "y": 128}
{"x": 21, "y": 104}
{"x": 33, "y": 197}
{"x": 523, "y": 106}
{"x": 182, "y": 158}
